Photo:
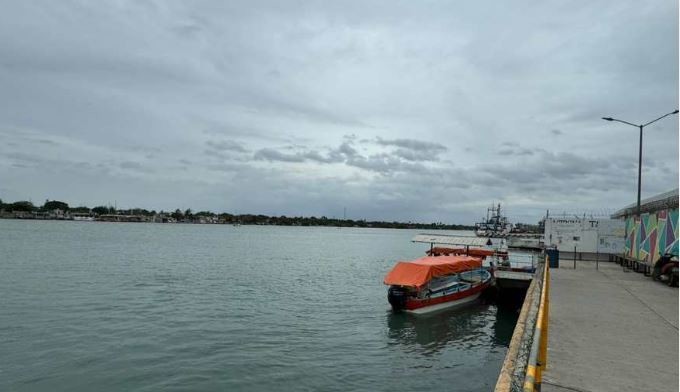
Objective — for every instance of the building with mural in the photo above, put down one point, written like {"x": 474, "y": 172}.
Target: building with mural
{"x": 654, "y": 232}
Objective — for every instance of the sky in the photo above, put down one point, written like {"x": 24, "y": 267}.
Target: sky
{"x": 425, "y": 111}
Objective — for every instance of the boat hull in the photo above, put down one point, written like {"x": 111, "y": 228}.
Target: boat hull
{"x": 452, "y": 304}
{"x": 428, "y": 305}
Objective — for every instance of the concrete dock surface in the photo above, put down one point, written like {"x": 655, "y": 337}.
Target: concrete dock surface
{"x": 610, "y": 330}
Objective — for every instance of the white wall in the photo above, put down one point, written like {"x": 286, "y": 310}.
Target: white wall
{"x": 591, "y": 235}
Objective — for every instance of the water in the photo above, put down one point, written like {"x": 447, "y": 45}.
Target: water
{"x": 148, "y": 307}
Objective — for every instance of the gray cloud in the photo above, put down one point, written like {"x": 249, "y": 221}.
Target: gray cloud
{"x": 357, "y": 104}
{"x": 516, "y": 150}
{"x": 333, "y": 157}
{"x": 226, "y": 145}
{"x": 383, "y": 163}
{"x": 269, "y": 154}
{"x": 416, "y": 155}
{"x": 400, "y": 160}
{"x": 131, "y": 165}
{"x": 412, "y": 144}
{"x": 347, "y": 150}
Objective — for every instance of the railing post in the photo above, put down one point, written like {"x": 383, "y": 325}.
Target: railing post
{"x": 597, "y": 254}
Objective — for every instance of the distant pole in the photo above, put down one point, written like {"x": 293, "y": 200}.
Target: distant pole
{"x": 639, "y": 173}
{"x": 574, "y": 256}
{"x": 640, "y": 152}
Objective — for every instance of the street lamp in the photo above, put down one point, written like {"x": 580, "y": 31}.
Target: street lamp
{"x": 640, "y": 155}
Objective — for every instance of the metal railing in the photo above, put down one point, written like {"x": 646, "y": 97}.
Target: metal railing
{"x": 521, "y": 261}
{"x": 524, "y": 260}
{"x": 538, "y": 357}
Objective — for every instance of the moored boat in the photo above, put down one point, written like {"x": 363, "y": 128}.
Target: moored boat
{"x": 434, "y": 283}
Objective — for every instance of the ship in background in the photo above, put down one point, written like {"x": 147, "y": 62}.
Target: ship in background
{"x": 496, "y": 224}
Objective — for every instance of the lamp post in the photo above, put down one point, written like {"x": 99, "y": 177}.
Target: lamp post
{"x": 640, "y": 154}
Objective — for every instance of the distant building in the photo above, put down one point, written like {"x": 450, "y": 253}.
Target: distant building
{"x": 56, "y": 214}
{"x": 122, "y": 218}
{"x": 586, "y": 235}
{"x": 655, "y": 233}
{"x": 82, "y": 216}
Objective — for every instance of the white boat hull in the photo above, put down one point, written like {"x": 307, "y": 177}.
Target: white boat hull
{"x": 445, "y": 305}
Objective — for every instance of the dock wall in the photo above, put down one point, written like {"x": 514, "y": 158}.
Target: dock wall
{"x": 529, "y": 339}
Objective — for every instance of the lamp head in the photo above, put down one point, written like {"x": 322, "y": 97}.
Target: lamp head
{"x": 608, "y": 118}
{"x": 676, "y": 111}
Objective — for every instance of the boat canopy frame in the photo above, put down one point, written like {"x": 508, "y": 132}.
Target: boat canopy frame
{"x": 459, "y": 240}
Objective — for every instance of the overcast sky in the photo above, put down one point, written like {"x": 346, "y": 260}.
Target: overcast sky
{"x": 413, "y": 110}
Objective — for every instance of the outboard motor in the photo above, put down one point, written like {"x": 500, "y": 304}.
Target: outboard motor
{"x": 397, "y": 297}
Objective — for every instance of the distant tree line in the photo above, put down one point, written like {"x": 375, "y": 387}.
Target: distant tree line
{"x": 246, "y": 219}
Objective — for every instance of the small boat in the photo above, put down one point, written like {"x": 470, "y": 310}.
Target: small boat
{"x": 434, "y": 283}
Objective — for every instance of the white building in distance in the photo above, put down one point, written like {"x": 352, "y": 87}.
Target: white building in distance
{"x": 585, "y": 234}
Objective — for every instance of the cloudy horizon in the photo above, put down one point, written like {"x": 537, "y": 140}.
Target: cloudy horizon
{"x": 405, "y": 111}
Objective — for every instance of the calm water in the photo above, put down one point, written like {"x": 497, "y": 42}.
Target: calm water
{"x": 148, "y": 307}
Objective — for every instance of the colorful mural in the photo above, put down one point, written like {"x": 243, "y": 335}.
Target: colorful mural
{"x": 653, "y": 235}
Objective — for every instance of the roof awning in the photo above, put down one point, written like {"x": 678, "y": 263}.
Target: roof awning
{"x": 443, "y": 239}
{"x": 655, "y": 203}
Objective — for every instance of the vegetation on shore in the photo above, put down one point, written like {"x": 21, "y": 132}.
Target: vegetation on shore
{"x": 16, "y": 209}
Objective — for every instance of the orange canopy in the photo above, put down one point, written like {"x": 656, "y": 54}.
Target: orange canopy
{"x": 418, "y": 272}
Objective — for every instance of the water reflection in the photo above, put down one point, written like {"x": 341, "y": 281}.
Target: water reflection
{"x": 465, "y": 329}
{"x": 430, "y": 334}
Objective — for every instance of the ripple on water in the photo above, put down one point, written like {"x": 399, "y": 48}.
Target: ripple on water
{"x": 112, "y": 307}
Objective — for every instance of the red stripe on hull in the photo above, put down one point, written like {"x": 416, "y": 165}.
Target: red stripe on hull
{"x": 412, "y": 304}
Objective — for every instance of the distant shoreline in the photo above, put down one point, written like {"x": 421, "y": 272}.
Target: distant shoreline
{"x": 59, "y": 210}
{"x": 341, "y": 224}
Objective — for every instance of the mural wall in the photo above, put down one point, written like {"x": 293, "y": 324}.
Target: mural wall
{"x": 653, "y": 235}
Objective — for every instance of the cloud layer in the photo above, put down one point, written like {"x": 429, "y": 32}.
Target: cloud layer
{"x": 395, "y": 110}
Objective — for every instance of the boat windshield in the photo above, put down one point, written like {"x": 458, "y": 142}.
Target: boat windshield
{"x": 443, "y": 281}
{"x": 471, "y": 276}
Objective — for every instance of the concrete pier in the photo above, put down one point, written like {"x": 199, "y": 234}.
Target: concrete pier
{"x": 610, "y": 330}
